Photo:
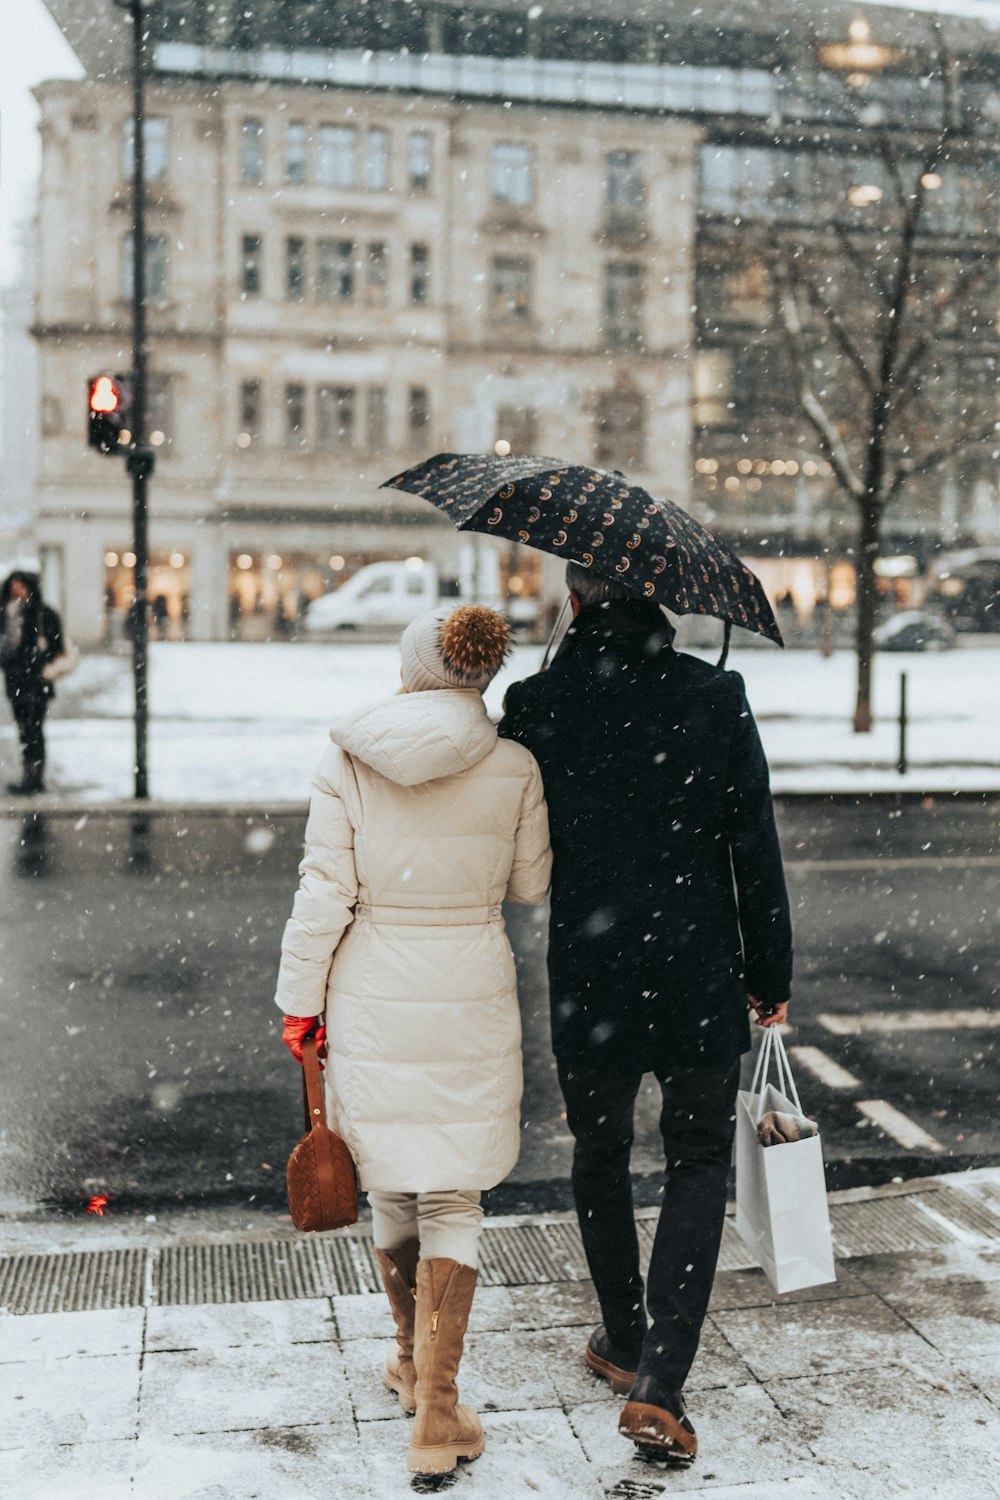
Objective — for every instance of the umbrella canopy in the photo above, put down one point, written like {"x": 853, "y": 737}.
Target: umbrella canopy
{"x": 597, "y": 519}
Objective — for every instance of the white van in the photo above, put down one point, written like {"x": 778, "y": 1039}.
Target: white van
{"x": 381, "y": 595}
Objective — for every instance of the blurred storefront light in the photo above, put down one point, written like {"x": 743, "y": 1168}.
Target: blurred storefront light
{"x": 859, "y": 55}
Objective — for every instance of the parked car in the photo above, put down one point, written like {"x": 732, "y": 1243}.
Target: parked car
{"x": 914, "y": 630}
{"x": 380, "y": 595}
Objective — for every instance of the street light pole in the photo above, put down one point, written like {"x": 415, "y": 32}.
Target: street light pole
{"x": 140, "y": 457}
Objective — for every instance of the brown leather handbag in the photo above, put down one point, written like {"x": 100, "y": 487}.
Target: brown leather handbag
{"x": 322, "y": 1178}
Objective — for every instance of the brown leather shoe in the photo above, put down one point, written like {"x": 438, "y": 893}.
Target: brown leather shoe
{"x": 399, "y": 1277}
{"x": 615, "y": 1366}
{"x": 655, "y": 1418}
{"x": 444, "y": 1434}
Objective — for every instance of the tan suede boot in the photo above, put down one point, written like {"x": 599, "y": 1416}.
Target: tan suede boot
{"x": 444, "y": 1433}
{"x": 399, "y": 1277}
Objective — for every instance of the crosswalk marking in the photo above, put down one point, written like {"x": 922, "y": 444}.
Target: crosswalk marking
{"x": 823, "y": 1067}
{"x": 897, "y": 862}
{"x": 883, "y": 1021}
{"x": 904, "y": 1131}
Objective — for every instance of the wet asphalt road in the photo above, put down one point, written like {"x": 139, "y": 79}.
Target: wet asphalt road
{"x": 139, "y": 1052}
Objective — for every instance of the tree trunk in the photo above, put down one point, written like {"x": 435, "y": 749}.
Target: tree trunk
{"x": 867, "y": 594}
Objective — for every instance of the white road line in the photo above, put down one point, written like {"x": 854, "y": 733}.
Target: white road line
{"x": 902, "y": 1129}
{"x": 881, "y": 1022}
{"x": 824, "y": 1068}
{"x": 903, "y": 862}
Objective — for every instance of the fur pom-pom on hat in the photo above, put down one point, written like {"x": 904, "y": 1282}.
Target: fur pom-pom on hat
{"x": 454, "y": 648}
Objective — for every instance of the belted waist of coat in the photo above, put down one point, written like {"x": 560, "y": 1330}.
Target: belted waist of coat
{"x": 428, "y": 916}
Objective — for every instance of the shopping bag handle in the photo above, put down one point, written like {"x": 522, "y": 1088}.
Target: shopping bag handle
{"x": 773, "y": 1044}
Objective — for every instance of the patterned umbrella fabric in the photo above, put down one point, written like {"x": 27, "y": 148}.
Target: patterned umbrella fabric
{"x": 597, "y": 519}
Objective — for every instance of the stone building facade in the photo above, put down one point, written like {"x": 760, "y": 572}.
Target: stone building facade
{"x": 342, "y": 282}
{"x": 381, "y": 228}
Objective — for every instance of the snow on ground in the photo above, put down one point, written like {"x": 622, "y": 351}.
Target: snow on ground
{"x": 248, "y": 723}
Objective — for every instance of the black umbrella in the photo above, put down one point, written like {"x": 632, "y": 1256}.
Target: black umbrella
{"x": 599, "y": 520}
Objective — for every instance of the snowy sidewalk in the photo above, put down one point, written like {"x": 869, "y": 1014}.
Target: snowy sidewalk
{"x": 248, "y": 723}
{"x": 886, "y": 1384}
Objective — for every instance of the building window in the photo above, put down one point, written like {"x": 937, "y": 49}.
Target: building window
{"x": 512, "y": 174}
{"x": 250, "y": 269}
{"x": 250, "y": 412}
{"x": 337, "y": 156}
{"x": 420, "y": 271}
{"x": 377, "y": 275}
{"x": 510, "y": 289}
{"x": 418, "y": 161}
{"x": 155, "y": 137}
{"x": 295, "y": 268}
{"x": 159, "y": 408}
{"x": 156, "y": 267}
{"x": 623, "y": 304}
{"x": 377, "y": 161}
{"x": 334, "y": 270}
{"x": 296, "y": 137}
{"x": 518, "y": 426}
{"x": 252, "y": 153}
{"x": 713, "y": 381}
{"x": 620, "y": 438}
{"x": 419, "y": 411}
{"x": 624, "y": 189}
{"x": 295, "y": 416}
{"x": 335, "y": 417}
{"x": 376, "y": 419}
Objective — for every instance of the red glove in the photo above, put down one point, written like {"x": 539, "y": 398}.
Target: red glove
{"x": 295, "y": 1031}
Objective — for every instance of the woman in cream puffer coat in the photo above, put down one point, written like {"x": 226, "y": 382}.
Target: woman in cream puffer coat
{"x": 422, "y": 823}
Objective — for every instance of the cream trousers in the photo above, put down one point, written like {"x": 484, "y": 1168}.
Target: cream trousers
{"x": 446, "y": 1224}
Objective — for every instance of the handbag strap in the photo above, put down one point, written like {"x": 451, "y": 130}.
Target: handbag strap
{"x": 785, "y": 1069}
{"x": 760, "y": 1071}
{"x": 312, "y": 1085}
{"x": 773, "y": 1046}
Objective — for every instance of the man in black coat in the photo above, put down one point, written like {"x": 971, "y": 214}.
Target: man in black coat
{"x": 669, "y": 921}
{"x": 31, "y": 637}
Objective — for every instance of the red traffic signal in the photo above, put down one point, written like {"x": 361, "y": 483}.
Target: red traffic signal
{"x": 107, "y": 416}
{"x": 105, "y": 394}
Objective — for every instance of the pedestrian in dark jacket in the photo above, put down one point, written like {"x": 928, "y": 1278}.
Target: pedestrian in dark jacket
{"x": 31, "y": 636}
{"x": 669, "y": 920}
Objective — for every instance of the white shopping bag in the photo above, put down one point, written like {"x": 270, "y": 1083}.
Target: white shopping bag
{"x": 781, "y": 1210}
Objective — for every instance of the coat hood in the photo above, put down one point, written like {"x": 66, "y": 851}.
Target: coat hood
{"x": 418, "y": 737}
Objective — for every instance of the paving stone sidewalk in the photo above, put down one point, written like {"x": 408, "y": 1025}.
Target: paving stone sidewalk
{"x": 885, "y": 1384}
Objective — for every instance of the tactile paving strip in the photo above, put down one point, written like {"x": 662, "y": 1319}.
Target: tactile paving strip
{"x": 545, "y": 1250}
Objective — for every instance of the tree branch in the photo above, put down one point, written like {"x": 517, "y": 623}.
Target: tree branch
{"x": 867, "y": 269}
{"x": 935, "y": 457}
{"x": 842, "y": 335}
{"x": 824, "y": 427}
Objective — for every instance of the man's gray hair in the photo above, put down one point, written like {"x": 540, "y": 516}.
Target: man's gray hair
{"x": 591, "y": 588}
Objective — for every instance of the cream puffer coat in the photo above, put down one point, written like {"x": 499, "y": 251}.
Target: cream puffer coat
{"x": 421, "y": 823}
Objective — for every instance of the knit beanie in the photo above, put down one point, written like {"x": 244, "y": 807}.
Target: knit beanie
{"x": 454, "y": 648}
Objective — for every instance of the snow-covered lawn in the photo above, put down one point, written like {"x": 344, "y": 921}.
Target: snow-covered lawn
{"x": 248, "y": 723}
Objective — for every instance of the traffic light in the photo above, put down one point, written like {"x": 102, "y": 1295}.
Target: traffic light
{"x": 107, "y": 412}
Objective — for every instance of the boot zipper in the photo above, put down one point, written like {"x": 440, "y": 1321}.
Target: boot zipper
{"x": 436, "y": 1315}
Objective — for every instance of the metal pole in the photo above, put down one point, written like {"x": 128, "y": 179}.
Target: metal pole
{"x": 140, "y": 456}
{"x": 901, "y": 764}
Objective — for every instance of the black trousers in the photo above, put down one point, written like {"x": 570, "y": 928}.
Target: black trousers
{"x": 697, "y": 1122}
{"x": 29, "y": 701}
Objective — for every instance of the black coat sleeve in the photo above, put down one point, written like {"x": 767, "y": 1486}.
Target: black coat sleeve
{"x": 512, "y": 725}
{"x": 765, "y": 920}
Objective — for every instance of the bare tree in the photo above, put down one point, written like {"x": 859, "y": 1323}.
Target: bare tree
{"x": 891, "y": 356}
